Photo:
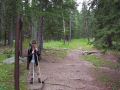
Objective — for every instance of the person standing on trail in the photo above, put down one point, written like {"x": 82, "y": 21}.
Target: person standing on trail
{"x": 32, "y": 61}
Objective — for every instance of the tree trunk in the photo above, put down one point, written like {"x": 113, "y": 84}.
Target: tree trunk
{"x": 109, "y": 41}
{"x": 87, "y": 31}
{"x": 2, "y": 15}
{"x": 32, "y": 24}
{"x": 64, "y": 29}
{"x": 10, "y": 38}
{"x": 5, "y": 38}
{"x": 41, "y": 34}
{"x": 0, "y": 29}
{"x": 10, "y": 35}
{"x": 34, "y": 28}
{"x": 70, "y": 37}
{"x": 21, "y": 35}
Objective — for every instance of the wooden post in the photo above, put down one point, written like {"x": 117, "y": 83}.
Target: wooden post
{"x": 16, "y": 73}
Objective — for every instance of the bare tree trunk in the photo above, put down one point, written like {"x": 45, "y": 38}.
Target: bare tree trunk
{"x": 64, "y": 29}
{"x": 41, "y": 34}
{"x": 70, "y": 37}
{"x": 109, "y": 41}
{"x": 21, "y": 35}
{"x": 32, "y": 24}
{"x": 5, "y": 38}
{"x": 10, "y": 38}
{"x": 0, "y": 20}
{"x": 2, "y": 14}
{"x": 87, "y": 31}
{"x": 34, "y": 28}
{"x": 85, "y": 26}
{"x": 0, "y": 29}
{"x": 10, "y": 35}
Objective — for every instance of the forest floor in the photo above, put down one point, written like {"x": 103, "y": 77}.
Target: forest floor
{"x": 73, "y": 72}
{"x": 66, "y": 67}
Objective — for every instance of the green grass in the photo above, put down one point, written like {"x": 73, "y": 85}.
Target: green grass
{"x": 100, "y": 62}
{"x": 108, "y": 81}
{"x": 55, "y": 53}
{"x": 104, "y": 78}
{"x": 6, "y": 75}
{"x": 6, "y": 71}
{"x": 74, "y": 44}
{"x": 2, "y": 57}
{"x": 94, "y": 60}
{"x": 23, "y": 77}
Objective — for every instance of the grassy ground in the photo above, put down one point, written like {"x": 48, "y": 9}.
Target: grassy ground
{"x": 55, "y": 53}
{"x": 23, "y": 76}
{"x": 100, "y": 62}
{"x": 53, "y": 49}
{"x": 110, "y": 82}
{"x": 6, "y": 75}
{"x": 7, "y": 71}
{"x": 74, "y": 44}
{"x": 109, "y": 79}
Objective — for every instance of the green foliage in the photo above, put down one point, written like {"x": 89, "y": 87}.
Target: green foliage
{"x": 26, "y": 43}
{"x": 106, "y": 32}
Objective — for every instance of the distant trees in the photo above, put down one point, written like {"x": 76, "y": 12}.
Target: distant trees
{"x": 107, "y": 23}
{"x": 99, "y": 19}
{"x": 7, "y": 21}
{"x": 59, "y": 19}
{"x": 38, "y": 16}
{"x": 83, "y": 22}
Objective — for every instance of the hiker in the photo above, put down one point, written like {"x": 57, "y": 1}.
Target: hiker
{"x": 32, "y": 61}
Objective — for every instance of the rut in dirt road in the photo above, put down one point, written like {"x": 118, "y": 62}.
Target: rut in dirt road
{"x": 68, "y": 74}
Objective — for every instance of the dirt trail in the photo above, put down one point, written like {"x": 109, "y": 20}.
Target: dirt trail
{"x": 68, "y": 74}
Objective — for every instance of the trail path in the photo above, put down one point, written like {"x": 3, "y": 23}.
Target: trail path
{"x": 71, "y": 73}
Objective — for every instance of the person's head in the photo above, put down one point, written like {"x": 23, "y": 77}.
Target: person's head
{"x": 34, "y": 44}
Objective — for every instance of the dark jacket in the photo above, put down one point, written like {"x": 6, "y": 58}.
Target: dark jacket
{"x": 36, "y": 56}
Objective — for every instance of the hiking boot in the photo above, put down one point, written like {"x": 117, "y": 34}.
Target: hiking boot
{"x": 27, "y": 65}
{"x": 31, "y": 81}
{"x": 39, "y": 80}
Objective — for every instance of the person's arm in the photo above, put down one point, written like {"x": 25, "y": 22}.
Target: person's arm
{"x": 30, "y": 52}
{"x": 37, "y": 52}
